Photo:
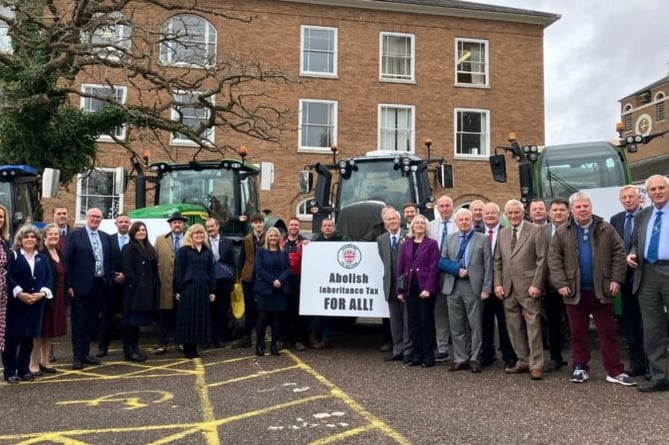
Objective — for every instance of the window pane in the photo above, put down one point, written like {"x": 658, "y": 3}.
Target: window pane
{"x": 319, "y": 49}
{"x": 472, "y": 138}
{"x": 396, "y": 130}
{"x": 188, "y": 39}
{"x": 471, "y": 62}
{"x": 317, "y": 124}
{"x": 397, "y": 57}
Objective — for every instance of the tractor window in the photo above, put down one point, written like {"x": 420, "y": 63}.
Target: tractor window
{"x": 23, "y": 202}
{"x": 375, "y": 181}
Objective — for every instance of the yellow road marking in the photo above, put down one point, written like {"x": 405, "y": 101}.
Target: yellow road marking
{"x": 253, "y": 376}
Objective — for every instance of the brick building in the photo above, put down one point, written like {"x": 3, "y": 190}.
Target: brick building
{"x": 381, "y": 74}
{"x": 644, "y": 113}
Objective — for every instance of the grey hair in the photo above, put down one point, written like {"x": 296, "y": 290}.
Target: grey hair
{"x": 666, "y": 180}
{"x": 512, "y": 203}
{"x": 579, "y": 196}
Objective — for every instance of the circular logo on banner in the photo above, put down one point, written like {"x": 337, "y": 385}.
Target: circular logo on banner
{"x": 349, "y": 256}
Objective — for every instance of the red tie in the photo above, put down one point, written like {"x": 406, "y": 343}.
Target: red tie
{"x": 490, "y": 233}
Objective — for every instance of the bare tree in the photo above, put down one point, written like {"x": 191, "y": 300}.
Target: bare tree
{"x": 149, "y": 69}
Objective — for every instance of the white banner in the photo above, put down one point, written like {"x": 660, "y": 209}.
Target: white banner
{"x": 342, "y": 279}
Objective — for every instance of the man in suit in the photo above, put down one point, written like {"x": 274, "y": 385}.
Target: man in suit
{"x": 649, "y": 255}
{"x": 467, "y": 283}
{"x": 113, "y": 301}
{"x": 520, "y": 274}
{"x": 553, "y": 304}
{"x": 409, "y": 210}
{"x": 586, "y": 259}
{"x": 493, "y": 308}
{"x": 438, "y": 229}
{"x": 60, "y": 218}
{"x": 538, "y": 212}
{"x": 389, "y": 244}
{"x": 166, "y": 245}
{"x": 223, "y": 252}
{"x": 623, "y": 222}
{"x": 476, "y": 207}
{"x": 89, "y": 264}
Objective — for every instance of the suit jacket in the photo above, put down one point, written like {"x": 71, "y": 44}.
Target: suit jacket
{"x": 479, "y": 266}
{"x": 434, "y": 228}
{"x": 523, "y": 267}
{"x": 618, "y": 223}
{"x": 80, "y": 260}
{"x": 639, "y": 243}
{"x": 423, "y": 265}
{"x": 385, "y": 252}
{"x": 25, "y": 320}
{"x": 165, "y": 250}
{"x": 117, "y": 261}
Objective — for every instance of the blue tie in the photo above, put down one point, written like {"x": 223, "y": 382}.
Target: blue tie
{"x": 393, "y": 244}
{"x": 444, "y": 232}
{"x": 654, "y": 244}
{"x": 627, "y": 232}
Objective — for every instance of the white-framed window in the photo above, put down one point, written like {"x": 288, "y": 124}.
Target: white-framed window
{"x": 660, "y": 107}
{"x": 627, "y": 117}
{"x": 396, "y": 127}
{"x": 472, "y": 133}
{"x": 97, "y": 189}
{"x": 318, "y": 56}
{"x": 5, "y": 40}
{"x": 471, "y": 62}
{"x": 397, "y": 57}
{"x": 95, "y": 97}
{"x": 318, "y": 125}
{"x": 302, "y": 210}
{"x": 189, "y": 110}
{"x": 112, "y": 37}
{"x": 188, "y": 40}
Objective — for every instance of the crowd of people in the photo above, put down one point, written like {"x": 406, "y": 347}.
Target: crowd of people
{"x": 449, "y": 283}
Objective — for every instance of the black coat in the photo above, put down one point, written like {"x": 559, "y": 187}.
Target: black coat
{"x": 194, "y": 280}
{"x": 140, "y": 268}
{"x": 24, "y": 320}
{"x": 270, "y": 266}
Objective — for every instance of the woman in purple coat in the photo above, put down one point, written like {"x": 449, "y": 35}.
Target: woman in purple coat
{"x": 418, "y": 277}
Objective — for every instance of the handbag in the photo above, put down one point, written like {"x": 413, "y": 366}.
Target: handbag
{"x": 223, "y": 271}
{"x": 237, "y": 301}
{"x": 402, "y": 281}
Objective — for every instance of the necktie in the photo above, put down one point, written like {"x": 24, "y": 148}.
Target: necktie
{"x": 393, "y": 242}
{"x": 514, "y": 238}
{"x": 63, "y": 233}
{"x": 654, "y": 243}
{"x": 176, "y": 240}
{"x": 464, "y": 240}
{"x": 97, "y": 253}
{"x": 490, "y": 236}
{"x": 214, "y": 248}
{"x": 627, "y": 232}
{"x": 444, "y": 232}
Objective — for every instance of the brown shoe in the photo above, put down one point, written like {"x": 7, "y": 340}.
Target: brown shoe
{"x": 536, "y": 374}
{"x": 458, "y": 366}
{"x": 517, "y": 369}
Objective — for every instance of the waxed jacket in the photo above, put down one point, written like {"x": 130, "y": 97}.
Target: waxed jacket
{"x": 608, "y": 260}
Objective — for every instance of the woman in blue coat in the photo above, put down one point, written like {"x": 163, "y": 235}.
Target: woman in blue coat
{"x": 194, "y": 287}
{"x": 418, "y": 278}
{"x": 271, "y": 288}
{"x": 30, "y": 276}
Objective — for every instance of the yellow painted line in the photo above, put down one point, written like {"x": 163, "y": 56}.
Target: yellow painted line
{"x": 348, "y": 400}
{"x": 189, "y": 427}
{"x": 253, "y": 376}
{"x": 210, "y": 431}
{"x": 54, "y": 438}
{"x": 343, "y": 435}
{"x": 230, "y": 360}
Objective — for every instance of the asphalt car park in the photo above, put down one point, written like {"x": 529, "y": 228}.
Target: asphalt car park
{"x": 346, "y": 394}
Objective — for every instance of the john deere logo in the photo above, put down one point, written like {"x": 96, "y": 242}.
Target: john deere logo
{"x": 349, "y": 256}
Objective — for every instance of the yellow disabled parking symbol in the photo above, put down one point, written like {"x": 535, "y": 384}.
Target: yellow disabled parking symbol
{"x": 130, "y": 400}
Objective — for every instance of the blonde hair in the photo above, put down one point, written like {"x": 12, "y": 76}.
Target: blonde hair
{"x": 270, "y": 231}
{"x": 4, "y": 230}
{"x": 188, "y": 237}
{"x": 417, "y": 218}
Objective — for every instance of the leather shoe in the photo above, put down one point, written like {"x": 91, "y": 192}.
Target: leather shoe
{"x": 657, "y": 386}
{"x": 428, "y": 364}
{"x": 135, "y": 357}
{"x": 458, "y": 366}
{"x": 77, "y": 365}
{"x": 394, "y": 358}
{"x": 487, "y": 362}
{"x": 260, "y": 350}
{"x": 27, "y": 377}
{"x": 517, "y": 369}
{"x": 274, "y": 350}
{"x": 90, "y": 360}
{"x": 536, "y": 374}
{"x": 13, "y": 380}
{"x": 101, "y": 353}
{"x": 406, "y": 360}
{"x": 474, "y": 367}
{"x": 47, "y": 369}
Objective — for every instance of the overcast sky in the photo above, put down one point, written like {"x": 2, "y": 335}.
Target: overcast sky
{"x": 597, "y": 53}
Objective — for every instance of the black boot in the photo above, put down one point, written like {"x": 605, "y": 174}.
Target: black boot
{"x": 273, "y": 349}
{"x": 260, "y": 349}
{"x": 135, "y": 344}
